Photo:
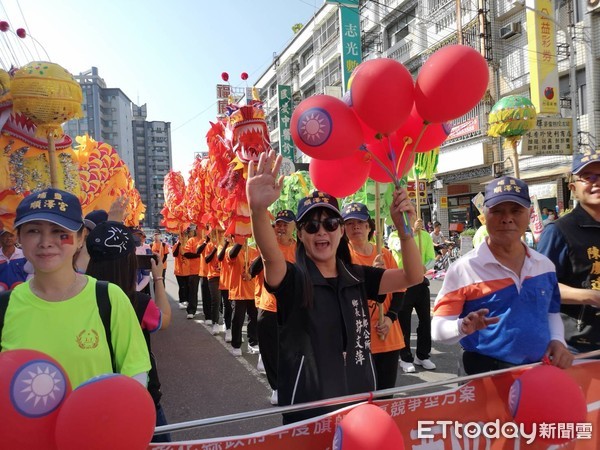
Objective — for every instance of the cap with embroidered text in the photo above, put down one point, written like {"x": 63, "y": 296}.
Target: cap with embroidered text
{"x": 285, "y": 215}
{"x": 581, "y": 160}
{"x": 355, "y": 210}
{"x": 51, "y": 205}
{"x": 317, "y": 199}
{"x": 506, "y": 189}
{"x": 109, "y": 241}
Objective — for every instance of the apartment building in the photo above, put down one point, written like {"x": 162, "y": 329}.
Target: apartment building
{"x": 145, "y": 147}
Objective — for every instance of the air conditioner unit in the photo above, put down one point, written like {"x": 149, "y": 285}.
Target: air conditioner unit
{"x": 510, "y": 30}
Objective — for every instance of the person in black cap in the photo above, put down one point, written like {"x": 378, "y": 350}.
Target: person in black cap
{"x": 572, "y": 243}
{"x": 112, "y": 258}
{"x": 501, "y": 300}
{"x": 56, "y": 312}
{"x": 322, "y": 305}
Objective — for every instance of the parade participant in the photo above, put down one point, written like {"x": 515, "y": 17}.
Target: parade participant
{"x": 572, "y": 243}
{"x": 501, "y": 301}
{"x": 322, "y": 298}
{"x": 268, "y": 335}
{"x": 417, "y": 298}
{"x": 161, "y": 250}
{"x": 13, "y": 270}
{"x": 181, "y": 268}
{"x": 112, "y": 258}
{"x": 192, "y": 253}
{"x": 58, "y": 311}
{"x": 241, "y": 294}
{"x": 213, "y": 273}
{"x": 386, "y": 338}
{"x": 224, "y": 285}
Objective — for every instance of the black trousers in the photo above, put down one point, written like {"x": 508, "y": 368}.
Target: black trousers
{"x": 240, "y": 308}
{"x": 386, "y": 368}
{"x": 215, "y": 299}
{"x": 192, "y": 306}
{"x": 417, "y": 298}
{"x": 182, "y": 282}
{"x": 206, "y": 299}
{"x": 268, "y": 336}
{"x": 227, "y": 308}
{"x": 474, "y": 363}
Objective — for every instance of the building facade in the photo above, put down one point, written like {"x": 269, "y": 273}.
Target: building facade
{"x": 409, "y": 31}
{"x": 145, "y": 147}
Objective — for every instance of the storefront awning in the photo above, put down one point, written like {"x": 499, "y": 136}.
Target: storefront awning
{"x": 533, "y": 174}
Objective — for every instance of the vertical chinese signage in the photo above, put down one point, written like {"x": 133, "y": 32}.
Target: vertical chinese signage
{"x": 350, "y": 30}
{"x": 541, "y": 36}
{"x": 286, "y": 145}
{"x": 223, "y": 92}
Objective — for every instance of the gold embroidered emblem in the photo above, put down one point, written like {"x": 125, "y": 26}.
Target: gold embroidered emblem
{"x": 88, "y": 339}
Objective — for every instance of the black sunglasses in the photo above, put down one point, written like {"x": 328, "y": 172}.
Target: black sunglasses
{"x": 312, "y": 226}
{"x": 589, "y": 179}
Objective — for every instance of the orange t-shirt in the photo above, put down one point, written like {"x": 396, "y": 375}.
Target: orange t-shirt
{"x": 182, "y": 265}
{"x": 240, "y": 289}
{"x": 161, "y": 249}
{"x": 213, "y": 267}
{"x": 264, "y": 299}
{"x": 192, "y": 245}
{"x": 225, "y": 278}
{"x": 394, "y": 339}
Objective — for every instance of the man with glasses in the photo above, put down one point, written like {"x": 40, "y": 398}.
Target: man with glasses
{"x": 573, "y": 244}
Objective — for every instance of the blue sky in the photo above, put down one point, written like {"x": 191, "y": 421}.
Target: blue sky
{"x": 167, "y": 54}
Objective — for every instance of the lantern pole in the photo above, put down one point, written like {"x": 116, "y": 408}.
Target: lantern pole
{"x": 52, "y": 164}
{"x": 379, "y": 245}
{"x": 515, "y": 158}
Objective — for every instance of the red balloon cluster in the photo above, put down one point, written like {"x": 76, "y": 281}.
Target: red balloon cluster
{"x": 38, "y": 411}
{"x": 547, "y": 394}
{"x": 387, "y": 115}
{"x": 368, "y": 427}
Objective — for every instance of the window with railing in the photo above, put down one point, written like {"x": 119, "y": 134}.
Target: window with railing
{"x": 398, "y": 29}
{"x": 328, "y": 31}
{"x": 306, "y": 57}
{"x": 330, "y": 76}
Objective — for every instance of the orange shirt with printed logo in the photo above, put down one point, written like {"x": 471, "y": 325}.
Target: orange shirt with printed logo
{"x": 240, "y": 289}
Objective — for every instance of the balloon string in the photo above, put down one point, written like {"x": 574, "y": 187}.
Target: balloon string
{"x": 381, "y": 164}
{"x": 407, "y": 140}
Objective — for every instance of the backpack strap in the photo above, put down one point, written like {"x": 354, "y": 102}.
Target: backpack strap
{"x": 104, "y": 308}
{"x": 4, "y": 298}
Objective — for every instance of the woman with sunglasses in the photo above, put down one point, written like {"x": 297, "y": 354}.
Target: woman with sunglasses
{"x": 322, "y": 305}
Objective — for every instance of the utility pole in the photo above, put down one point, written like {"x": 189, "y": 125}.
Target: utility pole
{"x": 459, "y": 34}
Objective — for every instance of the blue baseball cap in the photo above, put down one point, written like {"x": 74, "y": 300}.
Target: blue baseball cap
{"x": 318, "y": 199}
{"x": 507, "y": 189}
{"x": 285, "y": 215}
{"x": 51, "y": 205}
{"x": 358, "y": 211}
{"x": 581, "y": 160}
{"x": 94, "y": 218}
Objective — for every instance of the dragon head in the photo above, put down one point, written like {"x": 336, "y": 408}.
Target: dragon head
{"x": 247, "y": 131}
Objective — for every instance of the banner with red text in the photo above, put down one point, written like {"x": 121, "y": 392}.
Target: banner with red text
{"x": 437, "y": 421}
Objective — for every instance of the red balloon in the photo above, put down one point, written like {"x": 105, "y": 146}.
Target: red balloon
{"x": 224, "y": 76}
{"x": 4, "y": 26}
{"x": 451, "y": 82}
{"x": 368, "y": 427}
{"x": 33, "y": 387}
{"x": 111, "y": 411}
{"x": 340, "y": 177}
{"x": 324, "y": 127}
{"x": 547, "y": 394}
{"x": 382, "y": 93}
{"x": 244, "y": 76}
{"x": 382, "y": 154}
{"x": 21, "y": 33}
{"x": 435, "y": 133}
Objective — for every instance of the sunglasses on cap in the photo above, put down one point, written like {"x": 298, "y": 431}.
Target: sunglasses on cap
{"x": 312, "y": 226}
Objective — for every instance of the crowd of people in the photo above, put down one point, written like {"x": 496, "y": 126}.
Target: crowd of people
{"x": 328, "y": 308}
